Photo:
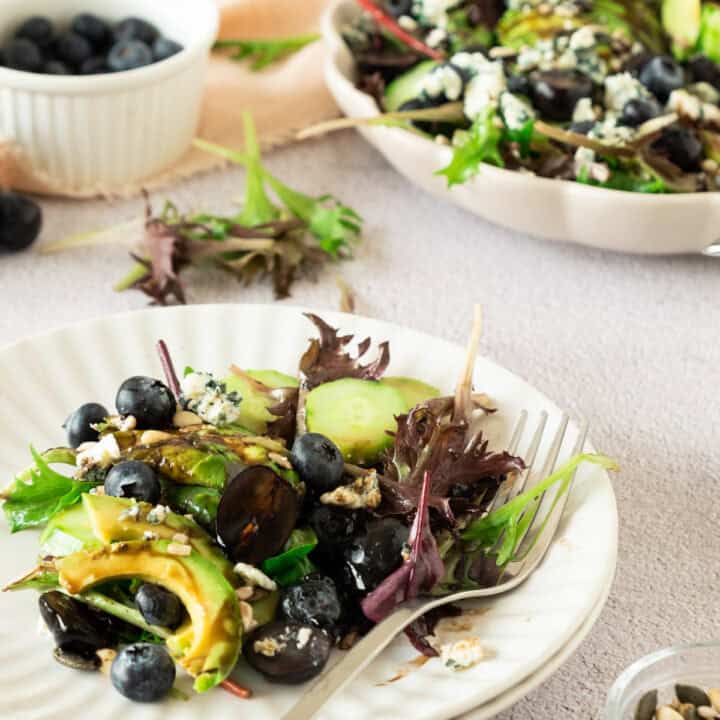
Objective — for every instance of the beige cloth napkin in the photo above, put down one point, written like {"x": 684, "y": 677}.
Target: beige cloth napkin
{"x": 283, "y": 98}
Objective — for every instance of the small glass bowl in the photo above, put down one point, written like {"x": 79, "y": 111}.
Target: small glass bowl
{"x": 697, "y": 664}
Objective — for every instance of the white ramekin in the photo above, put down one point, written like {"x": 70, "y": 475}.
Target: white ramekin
{"x": 102, "y": 132}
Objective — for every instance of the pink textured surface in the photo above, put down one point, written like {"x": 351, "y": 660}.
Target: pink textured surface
{"x": 630, "y": 342}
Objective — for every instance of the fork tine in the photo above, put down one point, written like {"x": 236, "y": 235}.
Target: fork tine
{"x": 530, "y": 515}
{"x": 508, "y": 490}
{"x": 552, "y": 519}
{"x": 530, "y": 457}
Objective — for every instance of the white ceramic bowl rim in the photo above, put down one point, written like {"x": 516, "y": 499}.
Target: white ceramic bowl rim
{"x": 332, "y": 21}
{"x": 626, "y": 676}
{"x": 205, "y": 27}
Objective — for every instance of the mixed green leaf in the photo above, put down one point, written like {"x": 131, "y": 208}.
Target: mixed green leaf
{"x": 263, "y": 53}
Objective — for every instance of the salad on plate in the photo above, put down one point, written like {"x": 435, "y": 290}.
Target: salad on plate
{"x": 620, "y": 94}
{"x": 265, "y": 518}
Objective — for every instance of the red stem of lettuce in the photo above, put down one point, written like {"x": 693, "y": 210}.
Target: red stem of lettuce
{"x": 238, "y": 690}
{"x": 168, "y": 368}
{"x": 383, "y": 19}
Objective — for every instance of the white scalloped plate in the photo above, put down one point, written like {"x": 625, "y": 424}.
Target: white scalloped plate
{"x": 528, "y": 632}
{"x": 552, "y": 209}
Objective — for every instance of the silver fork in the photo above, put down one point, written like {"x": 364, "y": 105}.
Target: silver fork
{"x": 532, "y": 549}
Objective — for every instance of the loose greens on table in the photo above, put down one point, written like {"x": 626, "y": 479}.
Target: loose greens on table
{"x": 265, "y": 515}
{"x": 263, "y": 53}
{"x": 279, "y": 234}
{"x": 620, "y": 94}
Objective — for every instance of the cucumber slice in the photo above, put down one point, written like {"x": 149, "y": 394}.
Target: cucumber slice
{"x": 355, "y": 415}
{"x": 67, "y": 532}
{"x": 413, "y": 391}
{"x": 254, "y": 413}
{"x": 407, "y": 86}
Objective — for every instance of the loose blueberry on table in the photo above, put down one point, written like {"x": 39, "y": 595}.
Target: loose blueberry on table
{"x": 86, "y": 45}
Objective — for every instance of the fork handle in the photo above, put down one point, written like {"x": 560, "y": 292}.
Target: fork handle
{"x": 355, "y": 661}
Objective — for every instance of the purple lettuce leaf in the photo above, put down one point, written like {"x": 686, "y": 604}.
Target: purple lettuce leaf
{"x": 420, "y": 571}
{"x": 325, "y": 359}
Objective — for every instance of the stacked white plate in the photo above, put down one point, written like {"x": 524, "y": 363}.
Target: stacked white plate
{"x": 528, "y": 633}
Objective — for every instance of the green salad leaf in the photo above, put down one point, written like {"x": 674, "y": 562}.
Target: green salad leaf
{"x": 709, "y": 40}
{"x": 509, "y": 523}
{"x": 39, "y": 492}
{"x": 262, "y": 53}
{"x": 625, "y": 180}
{"x": 480, "y": 144}
{"x": 293, "y": 564}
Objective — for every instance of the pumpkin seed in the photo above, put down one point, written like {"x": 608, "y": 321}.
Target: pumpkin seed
{"x": 691, "y": 694}
{"x": 76, "y": 662}
{"x": 647, "y": 705}
{"x": 666, "y": 712}
{"x": 714, "y": 695}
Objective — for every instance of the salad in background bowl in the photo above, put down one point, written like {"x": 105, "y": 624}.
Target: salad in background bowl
{"x": 556, "y": 101}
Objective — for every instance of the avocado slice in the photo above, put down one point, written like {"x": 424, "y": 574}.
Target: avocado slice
{"x": 356, "y": 415}
{"x": 205, "y": 455}
{"x": 681, "y": 21}
{"x": 407, "y": 86}
{"x": 413, "y": 391}
{"x": 208, "y": 645}
{"x": 256, "y": 400}
{"x": 518, "y": 29}
{"x": 100, "y": 520}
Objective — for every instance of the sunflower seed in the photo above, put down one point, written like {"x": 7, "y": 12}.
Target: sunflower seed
{"x": 646, "y": 707}
{"x": 691, "y": 694}
{"x": 705, "y": 711}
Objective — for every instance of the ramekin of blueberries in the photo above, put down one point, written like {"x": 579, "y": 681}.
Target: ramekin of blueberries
{"x": 85, "y": 45}
{"x": 100, "y": 94}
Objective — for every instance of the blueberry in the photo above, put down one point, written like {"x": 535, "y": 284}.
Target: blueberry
{"x": 23, "y": 54}
{"x": 56, "y": 67}
{"x": 556, "y": 92}
{"x": 133, "y": 479}
{"x": 143, "y": 672}
{"x": 519, "y": 84}
{"x": 133, "y": 28}
{"x": 371, "y": 557}
{"x": 148, "y": 400}
{"x": 681, "y": 147}
{"x": 73, "y": 49}
{"x": 163, "y": 48}
{"x": 129, "y": 55}
{"x": 79, "y": 425}
{"x": 95, "y": 30}
{"x": 37, "y": 29}
{"x": 582, "y": 127}
{"x": 314, "y": 601}
{"x": 397, "y": 8}
{"x": 20, "y": 221}
{"x": 703, "y": 69}
{"x": 159, "y": 606}
{"x": 95, "y": 65}
{"x": 318, "y": 462}
{"x": 661, "y": 76}
{"x": 637, "y": 111}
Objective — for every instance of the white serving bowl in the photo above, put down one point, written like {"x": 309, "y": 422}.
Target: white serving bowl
{"x": 102, "y": 132}
{"x": 553, "y": 209}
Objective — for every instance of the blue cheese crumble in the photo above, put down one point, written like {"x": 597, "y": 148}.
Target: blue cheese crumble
{"x": 433, "y": 13}
{"x": 515, "y": 111}
{"x": 621, "y": 88}
{"x": 484, "y": 88}
{"x": 209, "y": 399}
{"x": 444, "y": 80}
{"x": 584, "y": 111}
